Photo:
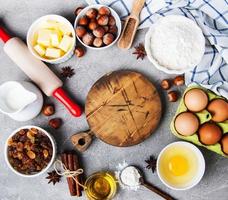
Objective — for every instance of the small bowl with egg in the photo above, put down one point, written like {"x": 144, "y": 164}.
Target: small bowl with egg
{"x": 180, "y": 165}
{"x": 51, "y": 38}
{"x": 174, "y": 44}
{"x": 97, "y": 27}
{"x": 30, "y": 151}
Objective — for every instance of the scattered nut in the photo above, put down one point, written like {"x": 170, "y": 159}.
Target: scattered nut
{"x": 165, "y": 84}
{"x": 104, "y": 11}
{"x": 79, "y": 52}
{"x": 108, "y": 38}
{"x": 48, "y": 110}
{"x": 172, "y": 96}
{"x": 83, "y": 21}
{"x": 88, "y": 38}
{"x": 91, "y": 13}
{"x": 93, "y": 25}
{"x": 179, "y": 80}
{"x": 98, "y": 42}
{"x": 31, "y": 154}
{"x": 111, "y": 21}
{"x": 80, "y": 31}
{"x": 78, "y": 10}
{"x": 55, "y": 123}
{"x": 103, "y": 20}
{"x": 99, "y": 32}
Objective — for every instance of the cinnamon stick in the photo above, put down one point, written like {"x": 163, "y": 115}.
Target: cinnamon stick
{"x": 70, "y": 181}
{"x": 78, "y": 177}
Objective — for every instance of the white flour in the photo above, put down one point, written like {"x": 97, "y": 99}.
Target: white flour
{"x": 128, "y": 176}
{"x": 176, "y": 42}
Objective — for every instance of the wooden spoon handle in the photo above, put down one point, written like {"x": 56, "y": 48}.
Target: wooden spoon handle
{"x": 82, "y": 140}
{"x": 157, "y": 191}
{"x": 137, "y": 7}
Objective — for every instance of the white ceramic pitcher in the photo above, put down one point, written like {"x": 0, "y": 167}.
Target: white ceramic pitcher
{"x": 20, "y": 100}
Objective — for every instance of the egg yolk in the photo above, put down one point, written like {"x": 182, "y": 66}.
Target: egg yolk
{"x": 178, "y": 165}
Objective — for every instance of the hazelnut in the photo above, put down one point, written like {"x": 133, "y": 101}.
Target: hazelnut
{"x": 83, "y": 21}
{"x": 106, "y": 28}
{"x": 113, "y": 29}
{"x": 111, "y": 21}
{"x": 79, "y": 52}
{"x": 104, "y": 10}
{"x": 178, "y": 80}
{"x": 80, "y": 31}
{"x": 108, "y": 38}
{"x": 78, "y": 10}
{"x": 103, "y": 20}
{"x": 88, "y": 39}
{"x": 172, "y": 96}
{"x": 91, "y": 13}
{"x": 98, "y": 42}
{"x": 165, "y": 84}
{"x": 93, "y": 25}
{"x": 55, "y": 123}
{"x": 99, "y": 32}
{"x": 48, "y": 110}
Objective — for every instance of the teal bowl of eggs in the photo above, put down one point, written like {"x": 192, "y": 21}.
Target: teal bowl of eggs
{"x": 202, "y": 118}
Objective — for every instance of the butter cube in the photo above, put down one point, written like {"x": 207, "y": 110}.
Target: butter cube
{"x": 53, "y": 53}
{"x": 44, "y": 37}
{"x": 55, "y": 38}
{"x": 39, "y": 49}
{"x": 65, "y": 29}
{"x": 66, "y": 43}
{"x": 50, "y": 24}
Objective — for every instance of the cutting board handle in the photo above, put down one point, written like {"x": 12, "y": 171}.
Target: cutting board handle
{"x": 82, "y": 140}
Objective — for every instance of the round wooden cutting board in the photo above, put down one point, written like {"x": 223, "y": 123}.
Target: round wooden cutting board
{"x": 123, "y": 108}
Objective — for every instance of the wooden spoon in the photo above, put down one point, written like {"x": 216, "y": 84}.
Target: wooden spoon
{"x": 131, "y": 25}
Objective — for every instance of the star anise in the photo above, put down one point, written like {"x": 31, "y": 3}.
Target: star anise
{"x": 140, "y": 51}
{"x": 53, "y": 177}
{"x": 151, "y": 163}
{"x": 67, "y": 72}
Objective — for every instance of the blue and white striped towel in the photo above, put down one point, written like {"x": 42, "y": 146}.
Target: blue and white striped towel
{"x": 210, "y": 15}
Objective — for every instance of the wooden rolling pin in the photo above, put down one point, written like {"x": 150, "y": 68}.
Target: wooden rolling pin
{"x": 37, "y": 71}
{"x": 131, "y": 25}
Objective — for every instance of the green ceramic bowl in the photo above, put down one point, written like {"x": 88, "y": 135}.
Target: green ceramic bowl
{"x": 203, "y": 116}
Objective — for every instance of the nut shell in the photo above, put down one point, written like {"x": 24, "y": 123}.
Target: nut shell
{"x": 48, "y": 110}
{"x": 172, "y": 96}
{"x": 113, "y": 30}
{"x": 78, "y": 10}
{"x": 98, "y": 42}
{"x": 104, "y": 10}
{"x": 99, "y": 32}
{"x": 80, "y": 31}
{"x": 165, "y": 84}
{"x": 103, "y": 20}
{"x": 108, "y": 38}
{"x": 79, "y": 52}
{"x": 92, "y": 25}
{"x": 83, "y": 21}
{"x": 88, "y": 39}
{"x": 91, "y": 13}
{"x": 55, "y": 123}
{"x": 111, "y": 21}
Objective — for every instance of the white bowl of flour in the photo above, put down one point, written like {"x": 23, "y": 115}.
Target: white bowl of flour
{"x": 175, "y": 44}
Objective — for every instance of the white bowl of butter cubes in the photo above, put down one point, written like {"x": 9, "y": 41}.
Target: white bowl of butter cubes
{"x": 51, "y": 38}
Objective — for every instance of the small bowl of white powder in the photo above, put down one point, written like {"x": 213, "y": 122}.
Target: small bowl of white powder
{"x": 175, "y": 44}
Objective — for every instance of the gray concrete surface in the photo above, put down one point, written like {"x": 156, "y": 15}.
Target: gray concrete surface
{"x": 18, "y": 16}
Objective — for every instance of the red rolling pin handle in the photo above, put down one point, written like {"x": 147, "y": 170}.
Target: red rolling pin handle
{"x": 3, "y": 35}
{"x": 61, "y": 95}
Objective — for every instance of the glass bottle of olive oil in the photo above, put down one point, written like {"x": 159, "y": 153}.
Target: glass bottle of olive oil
{"x": 101, "y": 186}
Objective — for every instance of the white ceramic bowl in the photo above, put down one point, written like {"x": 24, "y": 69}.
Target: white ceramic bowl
{"x": 37, "y": 24}
{"x": 201, "y": 165}
{"x": 114, "y": 14}
{"x": 53, "y": 154}
{"x": 169, "y": 19}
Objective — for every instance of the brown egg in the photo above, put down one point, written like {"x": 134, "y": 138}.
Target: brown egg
{"x": 224, "y": 142}
{"x": 186, "y": 123}
{"x": 218, "y": 109}
{"x": 210, "y": 133}
{"x": 196, "y": 100}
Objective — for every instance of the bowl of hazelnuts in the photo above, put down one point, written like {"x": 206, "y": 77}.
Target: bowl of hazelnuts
{"x": 97, "y": 27}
